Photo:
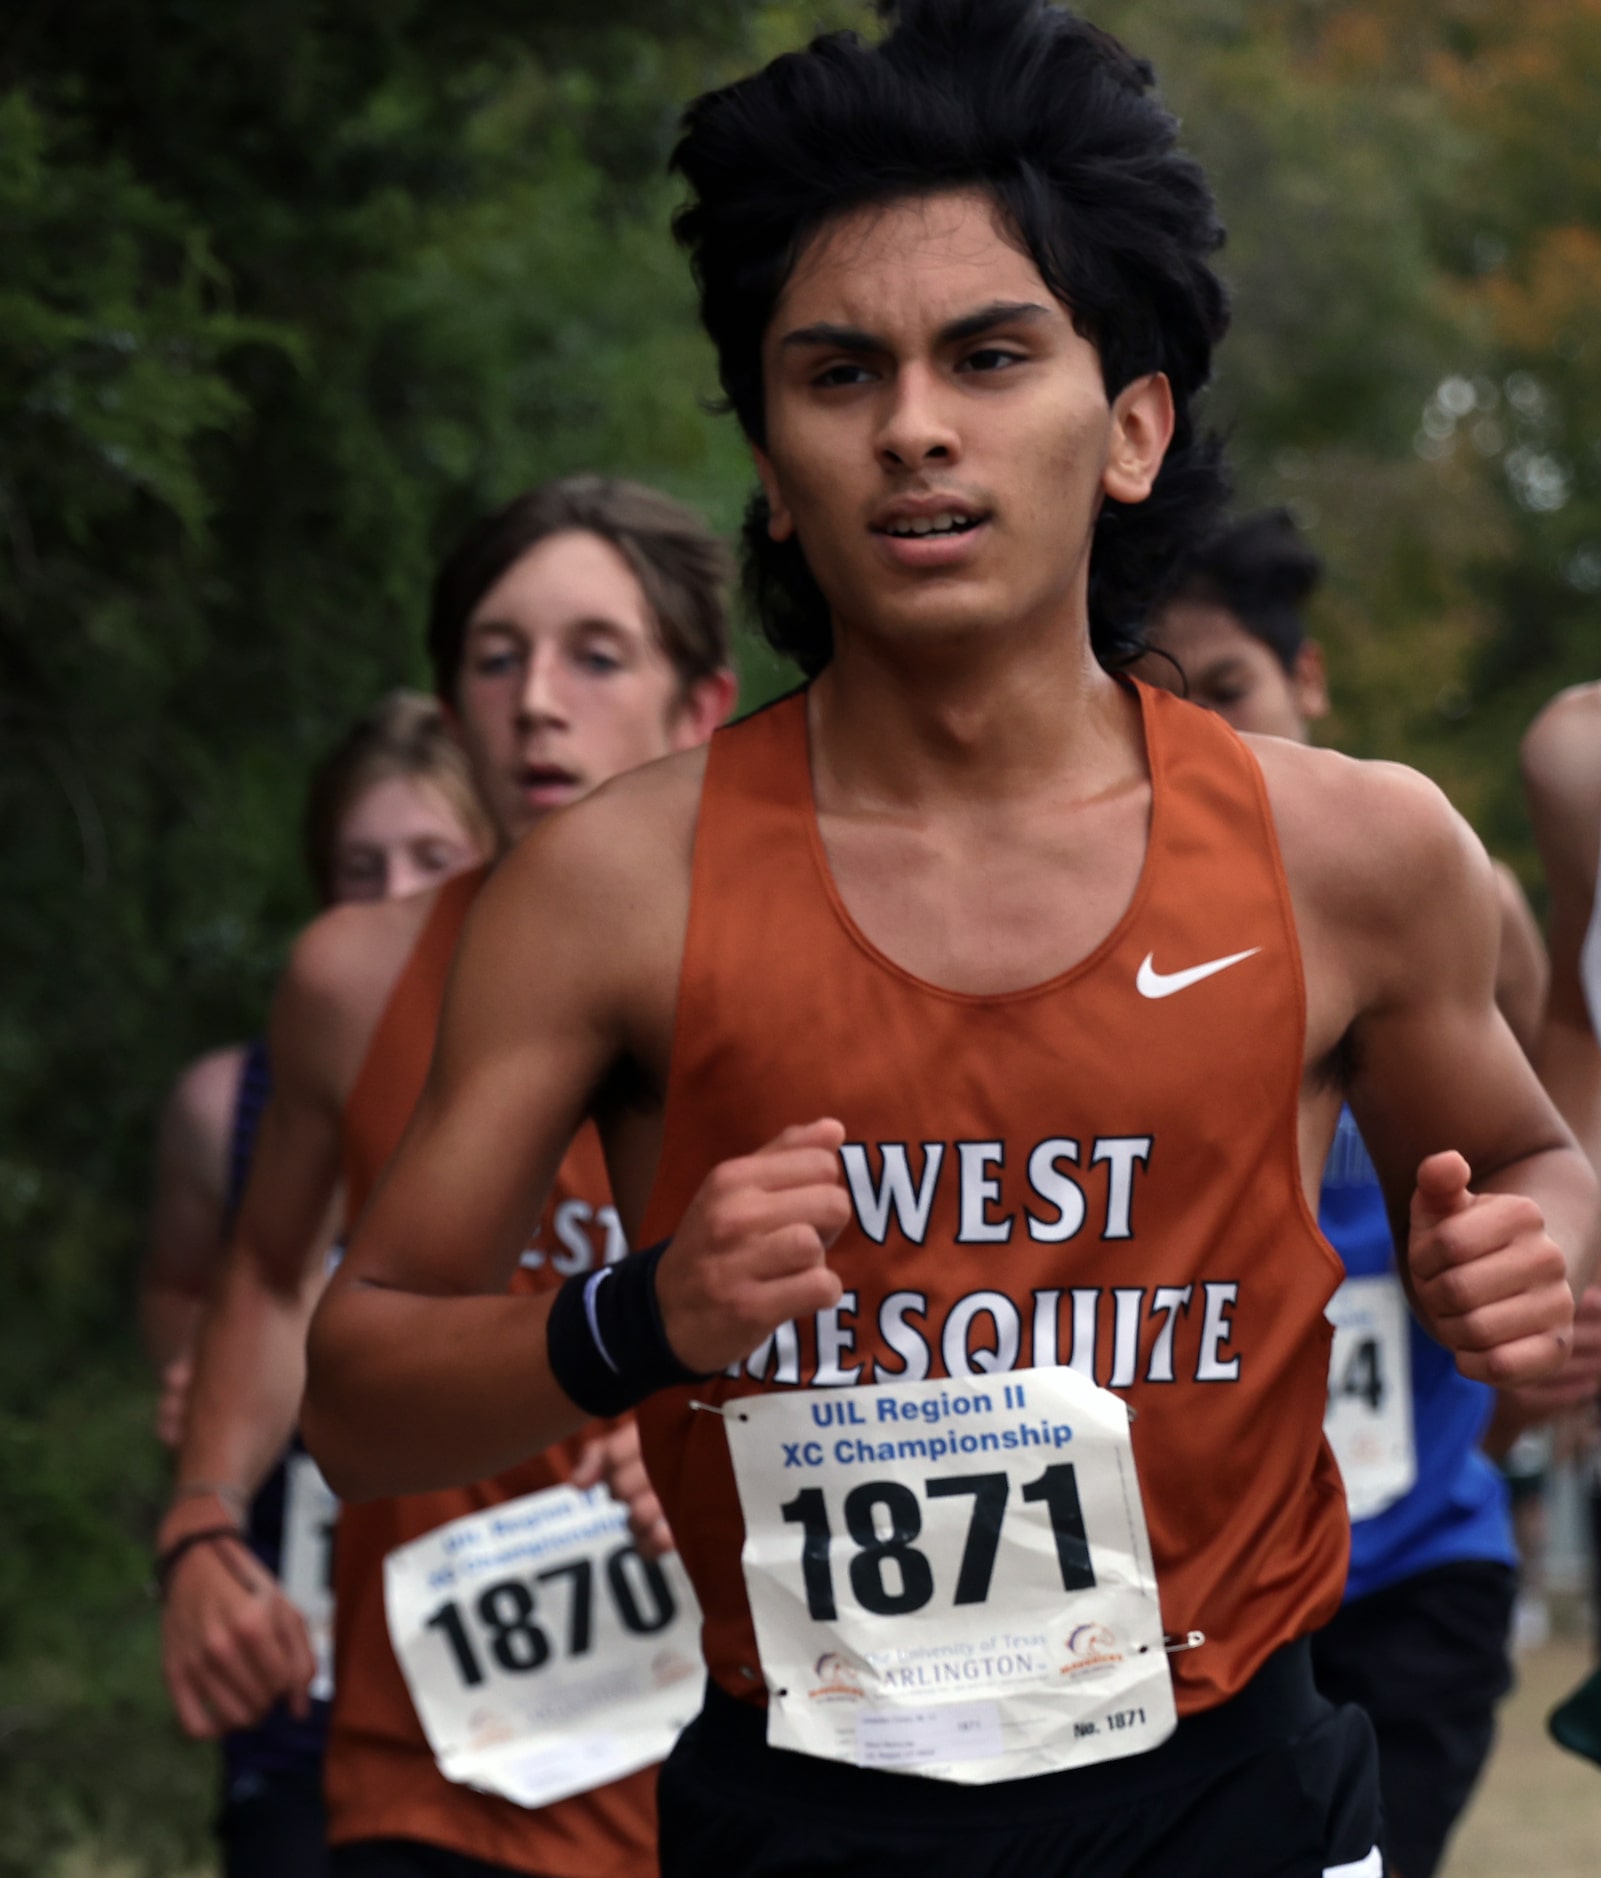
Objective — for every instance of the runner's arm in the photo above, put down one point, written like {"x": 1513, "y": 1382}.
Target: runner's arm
{"x": 1497, "y": 1241}
{"x": 423, "y": 1371}
{"x": 191, "y": 1178}
{"x": 1561, "y": 763}
{"x": 1522, "y": 970}
{"x": 232, "y": 1643}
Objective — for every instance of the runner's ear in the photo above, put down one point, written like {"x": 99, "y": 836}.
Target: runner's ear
{"x": 1142, "y": 428}
{"x": 780, "y": 524}
{"x": 705, "y": 704}
{"x": 1309, "y": 682}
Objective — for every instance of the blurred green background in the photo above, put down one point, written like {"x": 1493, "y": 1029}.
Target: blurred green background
{"x": 289, "y": 291}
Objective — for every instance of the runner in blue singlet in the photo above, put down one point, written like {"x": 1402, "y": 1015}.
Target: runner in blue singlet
{"x": 1421, "y": 1640}
{"x": 391, "y": 811}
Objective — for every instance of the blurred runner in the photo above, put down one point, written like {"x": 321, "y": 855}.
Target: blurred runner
{"x": 575, "y": 633}
{"x": 975, "y": 1082}
{"x": 1562, "y": 778}
{"x": 1421, "y": 1640}
{"x": 390, "y": 812}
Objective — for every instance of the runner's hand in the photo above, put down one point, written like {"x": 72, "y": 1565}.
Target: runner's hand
{"x": 614, "y": 1459}
{"x": 231, "y": 1643}
{"x": 172, "y": 1410}
{"x": 752, "y": 1251}
{"x": 1489, "y": 1280}
{"x": 1575, "y": 1384}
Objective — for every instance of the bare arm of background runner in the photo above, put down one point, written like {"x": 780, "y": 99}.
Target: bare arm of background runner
{"x": 232, "y": 1644}
{"x": 186, "y": 1225}
{"x": 423, "y": 1372}
{"x": 1561, "y": 761}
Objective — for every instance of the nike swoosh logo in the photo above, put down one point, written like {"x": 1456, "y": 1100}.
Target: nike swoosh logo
{"x": 1154, "y": 984}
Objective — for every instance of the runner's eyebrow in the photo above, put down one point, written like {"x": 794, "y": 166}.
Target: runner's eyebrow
{"x": 969, "y": 326}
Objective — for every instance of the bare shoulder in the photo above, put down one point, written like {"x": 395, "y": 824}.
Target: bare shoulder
{"x": 341, "y": 972}
{"x": 1561, "y": 762}
{"x": 1370, "y": 841}
{"x": 1561, "y": 749}
{"x": 619, "y": 859}
{"x": 197, "y": 1118}
{"x": 598, "y": 895}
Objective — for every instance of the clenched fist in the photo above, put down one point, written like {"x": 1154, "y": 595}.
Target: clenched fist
{"x": 752, "y": 1250}
{"x": 1488, "y": 1280}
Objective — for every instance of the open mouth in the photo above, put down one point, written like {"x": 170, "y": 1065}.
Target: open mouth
{"x": 947, "y": 522}
{"x": 547, "y": 776}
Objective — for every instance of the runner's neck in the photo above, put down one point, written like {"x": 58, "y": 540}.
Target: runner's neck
{"x": 890, "y": 736}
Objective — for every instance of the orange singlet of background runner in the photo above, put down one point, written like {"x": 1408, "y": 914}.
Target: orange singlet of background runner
{"x": 381, "y": 1778}
{"x": 1080, "y": 1172}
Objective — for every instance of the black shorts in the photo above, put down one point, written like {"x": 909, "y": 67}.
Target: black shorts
{"x": 1427, "y": 1658}
{"x": 409, "y": 1858}
{"x": 1276, "y": 1783}
{"x": 274, "y": 1825}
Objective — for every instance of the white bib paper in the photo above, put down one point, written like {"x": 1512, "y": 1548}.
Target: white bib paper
{"x": 952, "y": 1578}
{"x": 310, "y": 1514}
{"x": 544, "y": 1655}
{"x": 1369, "y": 1418}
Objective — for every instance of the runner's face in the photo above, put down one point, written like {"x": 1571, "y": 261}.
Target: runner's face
{"x": 563, "y": 682}
{"x": 1230, "y": 671}
{"x": 397, "y": 837}
{"x": 918, "y": 369}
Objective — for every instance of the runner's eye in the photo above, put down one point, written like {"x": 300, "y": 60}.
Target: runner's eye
{"x": 834, "y": 376}
{"x": 990, "y": 359}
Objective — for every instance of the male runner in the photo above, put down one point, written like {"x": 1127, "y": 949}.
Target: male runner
{"x": 575, "y": 633}
{"x": 980, "y": 1054}
{"x": 1421, "y": 1640}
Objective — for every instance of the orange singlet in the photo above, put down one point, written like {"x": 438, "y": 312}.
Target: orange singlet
{"x": 1101, "y": 1170}
{"x": 381, "y": 1778}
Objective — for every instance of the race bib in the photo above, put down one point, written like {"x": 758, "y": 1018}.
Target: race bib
{"x": 952, "y": 1578}
{"x": 1369, "y": 1418}
{"x": 310, "y": 1515}
{"x": 544, "y": 1655}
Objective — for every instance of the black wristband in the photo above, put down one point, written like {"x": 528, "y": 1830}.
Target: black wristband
{"x": 167, "y": 1561}
{"x": 608, "y": 1348}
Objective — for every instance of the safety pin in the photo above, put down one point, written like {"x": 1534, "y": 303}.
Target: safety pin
{"x": 712, "y": 1408}
{"x": 1174, "y": 1646}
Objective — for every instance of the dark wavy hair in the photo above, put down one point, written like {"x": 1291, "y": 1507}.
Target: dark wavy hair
{"x": 1060, "y": 124}
{"x": 1263, "y": 570}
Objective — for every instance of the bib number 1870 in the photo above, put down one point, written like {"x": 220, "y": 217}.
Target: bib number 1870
{"x": 877, "y": 1503}
{"x": 637, "y": 1587}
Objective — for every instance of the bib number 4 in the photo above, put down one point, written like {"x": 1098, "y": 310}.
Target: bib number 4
{"x": 1369, "y": 1417}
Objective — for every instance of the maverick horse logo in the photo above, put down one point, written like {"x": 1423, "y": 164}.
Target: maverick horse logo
{"x": 1090, "y": 1647}
{"x": 834, "y": 1680}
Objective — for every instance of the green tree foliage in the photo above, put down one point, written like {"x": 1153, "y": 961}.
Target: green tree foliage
{"x": 290, "y": 293}
{"x": 293, "y": 290}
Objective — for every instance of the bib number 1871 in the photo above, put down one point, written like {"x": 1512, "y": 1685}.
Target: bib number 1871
{"x": 879, "y": 1503}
